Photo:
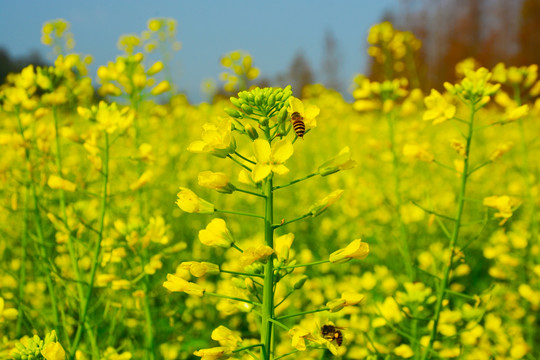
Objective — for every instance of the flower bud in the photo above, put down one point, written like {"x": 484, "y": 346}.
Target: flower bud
{"x": 191, "y": 203}
{"x": 355, "y": 250}
{"x": 247, "y": 109}
{"x": 252, "y": 133}
{"x": 300, "y": 283}
{"x": 323, "y": 204}
{"x": 233, "y": 113}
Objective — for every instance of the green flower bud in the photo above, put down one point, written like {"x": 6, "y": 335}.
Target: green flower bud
{"x": 298, "y": 285}
{"x": 252, "y": 133}
{"x": 235, "y": 101}
{"x": 258, "y": 99}
{"x": 282, "y": 115}
{"x": 247, "y": 109}
{"x": 271, "y": 100}
{"x": 279, "y": 95}
{"x": 263, "y": 121}
{"x": 233, "y": 113}
{"x": 242, "y": 95}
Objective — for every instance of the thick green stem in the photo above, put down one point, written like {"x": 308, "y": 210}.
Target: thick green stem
{"x": 268, "y": 291}
{"x": 97, "y": 250}
{"x": 441, "y": 293}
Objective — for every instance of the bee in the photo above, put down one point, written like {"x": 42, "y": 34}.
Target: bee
{"x": 298, "y": 124}
{"x": 331, "y": 333}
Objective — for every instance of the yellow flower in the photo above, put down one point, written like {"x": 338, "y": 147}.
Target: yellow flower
{"x": 199, "y": 269}
{"x": 355, "y": 250}
{"x": 214, "y": 353}
{"x": 56, "y": 182}
{"x": 226, "y": 337}
{"x": 505, "y": 204}
{"x": 216, "y": 234}
{"x": 145, "y": 178}
{"x": 282, "y": 246}
{"x": 191, "y": 203}
{"x": 418, "y": 152}
{"x": 319, "y": 207}
{"x": 438, "y": 109}
{"x": 177, "y": 284}
{"x": 341, "y": 162}
{"x": 501, "y": 150}
{"x": 308, "y": 114}
{"x": 516, "y": 113}
{"x": 252, "y": 254}
{"x": 53, "y": 351}
{"x": 347, "y": 299}
{"x": 7, "y": 314}
{"x": 404, "y": 351}
{"x": 154, "y": 69}
{"x": 270, "y": 159}
{"x": 299, "y": 337}
{"x": 216, "y": 180}
{"x": 216, "y": 140}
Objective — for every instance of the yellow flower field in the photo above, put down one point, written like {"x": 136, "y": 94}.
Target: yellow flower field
{"x": 401, "y": 225}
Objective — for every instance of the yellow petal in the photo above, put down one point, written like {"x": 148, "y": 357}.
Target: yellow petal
{"x": 260, "y": 172}
{"x": 281, "y": 151}
{"x": 296, "y": 105}
{"x": 262, "y": 150}
{"x": 280, "y": 169}
{"x": 312, "y": 111}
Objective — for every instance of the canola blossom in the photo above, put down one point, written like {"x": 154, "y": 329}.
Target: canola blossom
{"x": 104, "y": 257}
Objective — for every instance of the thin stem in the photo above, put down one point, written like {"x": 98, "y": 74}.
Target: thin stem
{"x": 286, "y": 354}
{"x": 239, "y": 163}
{"x": 97, "y": 247}
{"x": 302, "y": 313}
{"x": 241, "y": 273}
{"x": 296, "y": 181}
{"x": 39, "y": 227}
{"x": 244, "y": 158}
{"x": 404, "y": 236}
{"x": 249, "y": 192}
{"x": 444, "y": 166}
{"x": 455, "y": 234}
{"x": 304, "y": 265}
{"x": 232, "y": 298}
{"x": 433, "y": 212}
{"x": 275, "y": 226}
{"x": 239, "y": 213}
{"x": 246, "y": 347}
{"x": 22, "y": 272}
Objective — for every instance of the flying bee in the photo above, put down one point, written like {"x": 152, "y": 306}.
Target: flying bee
{"x": 298, "y": 124}
{"x": 331, "y": 333}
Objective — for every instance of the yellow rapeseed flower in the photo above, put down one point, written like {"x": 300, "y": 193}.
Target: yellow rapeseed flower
{"x": 53, "y": 351}
{"x": 252, "y": 254}
{"x": 199, "y": 269}
{"x": 308, "y": 113}
{"x": 226, "y": 337}
{"x": 355, "y": 250}
{"x": 505, "y": 204}
{"x": 216, "y": 181}
{"x": 216, "y": 140}
{"x": 214, "y": 353}
{"x": 216, "y": 234}
{"x": 320, "y": 206}
{"x": 177, "y": 284}
{"x": 191, "y": 203}
{"x": 438, "y": 109}
{"x": 56, "y": 182}
{"x": 341, "y": 162}
{"x": 270, "y": 159}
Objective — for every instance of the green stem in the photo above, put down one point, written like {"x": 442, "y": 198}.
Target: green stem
{"x": 275, "y": 226}
{"x": 239, "y": 163}
{"x": 244, "y": 158}
{"x": 246, "y": 348}
{"x": 296, "y": 181}
{"x": 302, "y": 313}
{"x": 97, "y": 250}
{"x": 232, "y": 298}
{"x": 454, "y": 237}
{"x": 239, "y": 213}
{"x": 248, "y": 192}
{"x": 22, "y": 273}
{"x": 39, "y": 228}
{"x": 304, "y": 265}
{"x": 241, "y": 273}
{"x": 268, "y": 291}
{"x": 70, "y": 243}
{"x": 404, "y": 236}
{"x": 287, "y": 354}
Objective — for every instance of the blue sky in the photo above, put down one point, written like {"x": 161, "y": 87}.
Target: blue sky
{"x": 272, "y": 31}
